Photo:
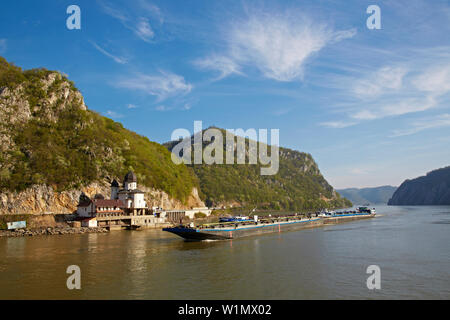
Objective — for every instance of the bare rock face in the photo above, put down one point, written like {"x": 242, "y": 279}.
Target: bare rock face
{"x": 16, "y": 111}
{"x": 41, "y": 199}
{"x": 10, "y": 116}
{"x": 158, "y": 198}
{"x": 59, "y": 88}
{"x": 15, "y": 107}
{"x": 21, "y": 107}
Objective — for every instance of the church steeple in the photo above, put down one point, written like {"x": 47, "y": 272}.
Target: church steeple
{"x": 114, "y": 189}
{"x": 130, "y": 181}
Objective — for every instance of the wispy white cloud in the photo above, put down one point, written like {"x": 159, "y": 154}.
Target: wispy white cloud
{"x": 131, "y": 106}
{"x": 144, "y": 30}
{"x": 414, "y": 85}
{"x": 440, "y": 121}
{"x": 280, "y": 44}
{"x": 396, "y": 107}
{"x": 407, "y": 106}
{"x": 386, "y": 79}
{"x": 187, "y": 106}
{"x": 138, "y": 20}
{"x": 113, "y": 12}
{"x": 2, "y": 46}
{"x": 162, "y": 85}
{"x": 281, "y": 111}
{"x": 276, "y": 44}
{"x": 224, "y": 65}
{"x": 337, "y": 124}
{"x": 114, "y": 114}
{"x": 152, "y": 9}
{"x": 120, "y": 60}
{"x": 163, "y": 108}
{"x": 364, "y": 115}
{"x": 435, "y": 80}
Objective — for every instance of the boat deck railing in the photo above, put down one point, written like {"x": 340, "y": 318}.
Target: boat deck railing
{"x": 268, "y": 220}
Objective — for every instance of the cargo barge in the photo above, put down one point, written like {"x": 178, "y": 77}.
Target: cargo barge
{"x": 234, "y": 230}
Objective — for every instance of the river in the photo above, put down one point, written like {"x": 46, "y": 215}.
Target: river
{"x": 409, "y": 244}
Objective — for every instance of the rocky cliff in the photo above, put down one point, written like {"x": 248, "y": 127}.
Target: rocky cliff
{"x": 41, "y": 199}
{"x": 432, "y": 189}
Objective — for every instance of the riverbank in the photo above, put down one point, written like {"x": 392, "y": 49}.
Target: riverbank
{"x": 50, "y": 231}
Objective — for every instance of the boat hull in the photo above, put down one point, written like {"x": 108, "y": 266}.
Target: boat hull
{"x": 239, "y": 232}
{"x": 194, "y": 235}
{"x": 346, "y": 218}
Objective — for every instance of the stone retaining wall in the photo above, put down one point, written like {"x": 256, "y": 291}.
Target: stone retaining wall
{"x": 50, "y": 231}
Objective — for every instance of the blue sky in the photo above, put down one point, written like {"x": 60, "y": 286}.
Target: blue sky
{"x": 371, "y": 106}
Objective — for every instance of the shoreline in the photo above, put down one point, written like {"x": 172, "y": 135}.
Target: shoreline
{"x": 50, "y": 231}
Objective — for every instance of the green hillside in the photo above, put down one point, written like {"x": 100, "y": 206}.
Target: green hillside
{"x": 49, "y": 137}
{"x": 298, "y": 185}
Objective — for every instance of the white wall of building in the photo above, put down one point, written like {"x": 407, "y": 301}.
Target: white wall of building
{"x": 130, "y": 185}
{"x": 190, "y": 213}
{"x": 89, "y": 223}
{"x": 85, "y": 211}
{"x": 138, "y": 201}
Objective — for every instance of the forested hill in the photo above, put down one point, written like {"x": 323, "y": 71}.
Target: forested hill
{"x": 298, "y": 185}
{"x": 376, "y": 195}
{"x": 432, "y": 189}
{"x": 49, "y": 137}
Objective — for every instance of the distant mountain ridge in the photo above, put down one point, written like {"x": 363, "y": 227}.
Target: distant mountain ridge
{"x": 376, "y": 195}
{"x": 432, "y": 189}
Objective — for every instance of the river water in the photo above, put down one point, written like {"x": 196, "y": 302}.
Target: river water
{"x": 411, "y": 245}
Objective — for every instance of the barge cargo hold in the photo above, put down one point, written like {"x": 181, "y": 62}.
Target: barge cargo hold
{"x": 228, "y": 231}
